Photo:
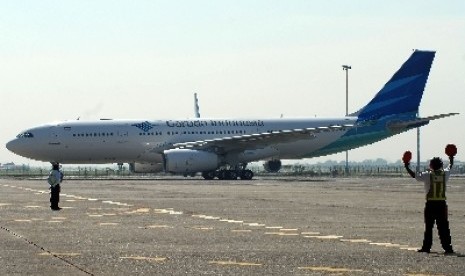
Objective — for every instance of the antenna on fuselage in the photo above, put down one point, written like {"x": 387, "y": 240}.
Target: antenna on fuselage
{"x": 196, "y": 106}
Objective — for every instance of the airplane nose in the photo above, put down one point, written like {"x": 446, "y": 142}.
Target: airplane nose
{"x": 12, "y": 145}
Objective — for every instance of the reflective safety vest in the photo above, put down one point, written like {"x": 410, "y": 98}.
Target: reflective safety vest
{"x": 437, "y": 188}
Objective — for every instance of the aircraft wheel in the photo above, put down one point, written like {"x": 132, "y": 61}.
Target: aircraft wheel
{"x": 209, "y": 175}
{"x": 232, "y": 175}
{"x": 246, "y": 175}
{"x": 223, "y": 174}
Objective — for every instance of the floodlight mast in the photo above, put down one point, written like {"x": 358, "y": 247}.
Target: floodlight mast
{"x": 346, "y": 68}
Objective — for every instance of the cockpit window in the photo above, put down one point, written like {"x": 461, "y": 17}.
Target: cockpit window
{"x": 25, "y": 135}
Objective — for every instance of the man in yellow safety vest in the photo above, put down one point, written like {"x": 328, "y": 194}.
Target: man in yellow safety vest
{"x": 434, "y": 181}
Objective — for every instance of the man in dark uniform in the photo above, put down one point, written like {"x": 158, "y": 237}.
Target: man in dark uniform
{"x": 434, "y": 181}
{"x": 54, "y": 179}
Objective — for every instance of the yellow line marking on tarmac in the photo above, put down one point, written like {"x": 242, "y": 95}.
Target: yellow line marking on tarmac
{"x": 273, "y": 227}
{"x": 54, "y": 221}
{"x": 288, "y": 229}
{"x": 242, "y": 231}
{"x": 309, "y": 233}
{"x": 255, "y": 224}
{"x": 281, "y": 234}
{"x": 356, "y": 240}
{"x": 410, "y": 248}
{"x": 32, "y": 206}
{"x": 393, "y": 245}
{"x": 234, "y": 263}
{"x": 386, "y": 244}
{"x": 329, "y": 269}
{"x": 203, "y": 228}
{"x": 169, "y": 211}
{"x": 155, "y": 226}
{"x": 101, "y": 215}
{"x": 206, "y": 217}
{"x": 5, "y": 204}
{"x": 116, "y": 203}
{"x": 139, "y": 211}
{"x": 141, "y": 258}
{"x": 22, "y": 220}
{"x": 108, "y": 223}
{"x": 58, "y": 217}
{"x": 113, "y": 209}
{"x": 196, "y": 216}
{"x": 328, "y": 237}
{"x": 69, "y": 254}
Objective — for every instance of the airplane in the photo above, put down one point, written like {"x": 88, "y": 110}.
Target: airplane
{"x": 222, "y": 147}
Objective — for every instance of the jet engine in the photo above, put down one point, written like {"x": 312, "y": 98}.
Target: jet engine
{"x": 190, "y": 161}
{"x": 272, "y": 165}
{"x": 145, "y": 167}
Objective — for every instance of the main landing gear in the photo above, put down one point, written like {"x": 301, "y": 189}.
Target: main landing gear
{"x": 228, "y": 174}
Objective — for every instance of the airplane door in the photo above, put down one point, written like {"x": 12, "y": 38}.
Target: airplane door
{"x": 122, "y": 136}
{"x": 54, "y": 138}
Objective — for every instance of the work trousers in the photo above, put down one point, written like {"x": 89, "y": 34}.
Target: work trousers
{"x": 436, "y": 211}
{"x": 54, "y": 196}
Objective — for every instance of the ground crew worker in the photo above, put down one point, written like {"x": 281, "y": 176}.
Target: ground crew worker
{"x": 54, "y": 179}
{"x": 434, "y": 181}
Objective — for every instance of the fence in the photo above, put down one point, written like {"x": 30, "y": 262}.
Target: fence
{"x": 287, "y": 170}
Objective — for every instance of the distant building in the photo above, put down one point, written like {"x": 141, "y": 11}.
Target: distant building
{"x": 9, "y": 166}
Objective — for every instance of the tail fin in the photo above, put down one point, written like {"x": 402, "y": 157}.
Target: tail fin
{"x": 402, "y": 93}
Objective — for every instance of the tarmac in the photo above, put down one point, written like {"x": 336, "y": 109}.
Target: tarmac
{"x": 267, "y": 226}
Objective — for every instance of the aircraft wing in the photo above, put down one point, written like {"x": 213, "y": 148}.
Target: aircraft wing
{"x": 259, "y": 140}
{"x": 418, "y": 122}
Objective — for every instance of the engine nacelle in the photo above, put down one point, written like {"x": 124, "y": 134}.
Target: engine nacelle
{"x": 145, "y": 167}
{"x": 272, "y": 165}
{"x": 190, "y": 161}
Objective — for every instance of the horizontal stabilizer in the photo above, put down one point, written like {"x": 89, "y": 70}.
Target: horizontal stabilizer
{"x": 418, "y": 122}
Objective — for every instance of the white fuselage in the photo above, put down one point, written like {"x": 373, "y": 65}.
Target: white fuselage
{"x": 126, "y": 141}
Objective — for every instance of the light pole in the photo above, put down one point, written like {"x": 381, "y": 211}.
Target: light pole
{"x": 418, "y": 147}
{"x": 346, "y": 68}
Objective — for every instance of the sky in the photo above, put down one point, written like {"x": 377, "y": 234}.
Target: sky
{"x": 62, "y": 60}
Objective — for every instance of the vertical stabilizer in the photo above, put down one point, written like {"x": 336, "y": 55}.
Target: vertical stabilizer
{"x": 402, "y": 93}
{"x": 196, "y": 106}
